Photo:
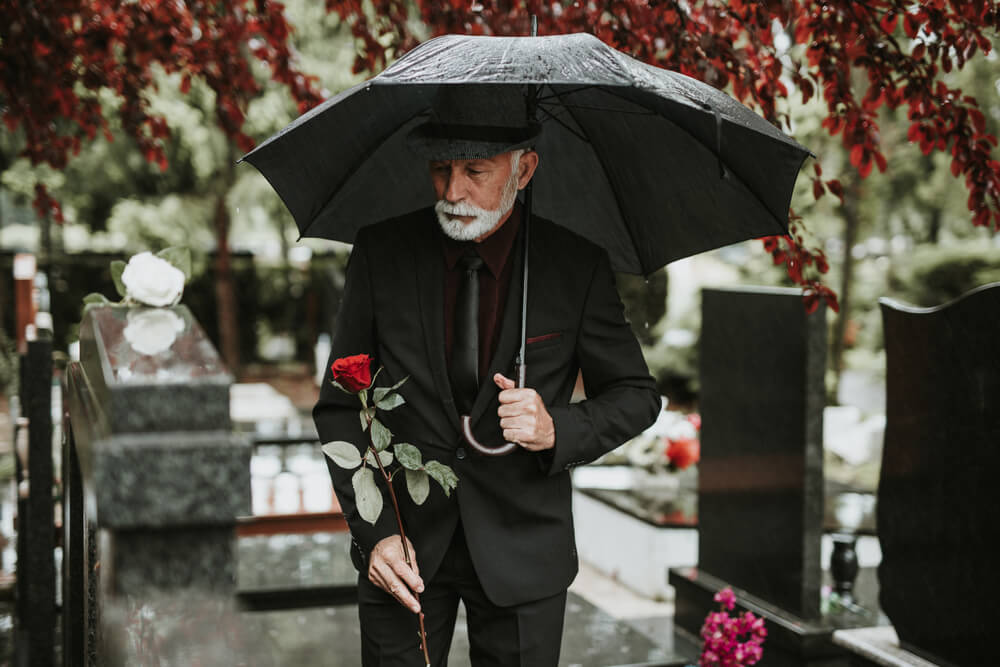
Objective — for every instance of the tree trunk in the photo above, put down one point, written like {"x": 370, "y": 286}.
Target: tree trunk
{"x": 850, "y": 215}
{"x": 225, "y": 291}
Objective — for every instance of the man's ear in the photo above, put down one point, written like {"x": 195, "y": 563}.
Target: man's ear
{"x": 526, "y": 166}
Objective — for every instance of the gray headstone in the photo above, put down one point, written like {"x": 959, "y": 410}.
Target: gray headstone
{"x": 153, "y": 369}
{"x": 938, "y": 507}
{"x": 760, "y": 501}
{"x": 164, "y": 475}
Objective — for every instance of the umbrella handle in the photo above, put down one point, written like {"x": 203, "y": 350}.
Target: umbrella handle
{"x": 470, "y": 437}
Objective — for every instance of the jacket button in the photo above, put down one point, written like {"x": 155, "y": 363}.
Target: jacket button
{"x": 460, "y": 453}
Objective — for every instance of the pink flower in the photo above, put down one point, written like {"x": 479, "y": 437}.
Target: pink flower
{"x": 722, "y": 634}
{"x": 727, "y": 598}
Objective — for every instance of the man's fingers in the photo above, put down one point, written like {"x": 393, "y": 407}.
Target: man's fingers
{"x": 503, "y": 382}
{"x": 386, "y": 579}
{"x": 410, "y": 577}
{"x": 388, "y": 570}
{"x": 516, "y": 409}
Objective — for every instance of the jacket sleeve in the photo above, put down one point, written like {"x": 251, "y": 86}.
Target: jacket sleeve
{"x": 337, "y": 414}
{"x": 622, "y": 399}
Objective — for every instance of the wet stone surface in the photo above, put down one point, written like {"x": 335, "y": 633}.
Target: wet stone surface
{"x": 330, "y": 636}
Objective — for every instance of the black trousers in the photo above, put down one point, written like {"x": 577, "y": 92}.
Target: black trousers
{"x": 526, "y": 635}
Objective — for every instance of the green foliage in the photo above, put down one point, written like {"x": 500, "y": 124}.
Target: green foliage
{"x": 418, "y": 484}
{"x": 381, "y": 436}
{"x": 443, "y": 475}
{"x": 377, "y": 456}
{"x": 408, "y": 456}
{"x": 9, "y": 364}
{"x": 179, "y": 258}
{"x": 117, "y": 268}
{"x": 645, "y": 301}
{"x": 367, "y": 496}
{"x": 344, "y": 454}
{"x": 933, "y": 275}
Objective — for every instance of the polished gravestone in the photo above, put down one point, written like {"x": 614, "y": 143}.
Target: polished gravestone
{"x": 761, "y": 496}
{"x": 760, "y": 505}
{"x": 939, "y": 501}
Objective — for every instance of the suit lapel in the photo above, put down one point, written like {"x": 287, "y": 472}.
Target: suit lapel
{"x": 429, "y": 269}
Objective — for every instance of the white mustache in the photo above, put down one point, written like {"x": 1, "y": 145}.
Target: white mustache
{"x": 460, "y": 208}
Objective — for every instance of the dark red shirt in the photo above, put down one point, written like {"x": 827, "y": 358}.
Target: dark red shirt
{"x": 494, "y": 284}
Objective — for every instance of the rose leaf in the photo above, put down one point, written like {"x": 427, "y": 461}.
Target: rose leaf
{"x": 408, "y": 456}
{"x": 117, "y": 267}
{"x": 344, "y": 454}
{"x": 180, "y": 257}
{"x": 388, "y": 401}
{"x": 367, "y": 497}
{"x": 418, "y": 484}
{"x": 443, "y": 475}
{"x": 385, "y": 457}
{"x": 381, "y": 436}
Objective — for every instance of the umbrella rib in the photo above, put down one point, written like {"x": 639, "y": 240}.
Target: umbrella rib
{"x": 729, "y": 170}
{"x": 555, "y": 95}
{"x": 565, "y": 126}
{"x": 607, "y": 175}
{"x": 645, "y": 112}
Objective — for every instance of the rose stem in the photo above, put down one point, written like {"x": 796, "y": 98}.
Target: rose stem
{"x": 402, "y": 538}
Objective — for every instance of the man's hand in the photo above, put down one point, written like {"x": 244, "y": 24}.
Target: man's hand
{"x": 523, "y": 416}
{"x": 388, "y": 570}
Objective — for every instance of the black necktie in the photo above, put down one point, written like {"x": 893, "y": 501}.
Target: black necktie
{"x": 464, "y": 369}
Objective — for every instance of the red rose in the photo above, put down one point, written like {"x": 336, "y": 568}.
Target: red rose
{"x": 353, "y": 373}
{"x": 683, "y": 452}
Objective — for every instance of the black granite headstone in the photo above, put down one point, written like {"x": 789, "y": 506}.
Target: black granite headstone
{"x": 938, "y": 507}
{"x": 760, "y": 502}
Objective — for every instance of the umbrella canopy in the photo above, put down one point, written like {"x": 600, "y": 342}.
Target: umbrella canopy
{"x": 648, "y": 163}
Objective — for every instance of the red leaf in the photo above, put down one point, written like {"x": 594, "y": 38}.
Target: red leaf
{"x": 880, "y": 161}
{"x": 889, "y": 22}
{"x": 858, "y": 154}
{"x": 818, "y": 189}
{"x": 978, "y": 120}
{"x": 186, "y": 84}
{"x": 836, "y": 188}
{"x": 865, "y": 167}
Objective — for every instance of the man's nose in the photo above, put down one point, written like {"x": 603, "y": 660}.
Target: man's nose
{"x": 455, "y": 188}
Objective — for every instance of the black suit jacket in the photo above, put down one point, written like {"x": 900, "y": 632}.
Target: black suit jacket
{"x": 515, "y": 509}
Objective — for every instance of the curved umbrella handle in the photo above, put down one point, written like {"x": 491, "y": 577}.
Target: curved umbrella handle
{"x": 470, "y": 437}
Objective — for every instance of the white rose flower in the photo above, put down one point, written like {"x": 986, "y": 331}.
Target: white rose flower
{"x": 152, "y": 331}
{"x": 153, "y": 281}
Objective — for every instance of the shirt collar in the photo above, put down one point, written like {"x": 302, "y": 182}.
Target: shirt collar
{"x": 494, "y": 249}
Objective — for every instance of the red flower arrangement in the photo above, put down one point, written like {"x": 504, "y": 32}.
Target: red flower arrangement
{"x": 683, "y": 448}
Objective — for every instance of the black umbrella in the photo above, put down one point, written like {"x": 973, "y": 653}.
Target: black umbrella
{"x": 650, "y": 164}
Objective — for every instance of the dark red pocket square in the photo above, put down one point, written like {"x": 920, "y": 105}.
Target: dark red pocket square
{"x": 539, "y": 339}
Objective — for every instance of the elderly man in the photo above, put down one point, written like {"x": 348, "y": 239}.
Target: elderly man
{"x": 435, "y": 295}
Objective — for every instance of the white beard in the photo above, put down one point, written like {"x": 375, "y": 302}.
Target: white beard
{"x": 483, "y": 222}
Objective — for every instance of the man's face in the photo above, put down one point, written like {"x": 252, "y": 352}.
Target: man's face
{"x": 475, "y": 196}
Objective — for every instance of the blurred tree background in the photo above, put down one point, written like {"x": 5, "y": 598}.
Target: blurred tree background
{"x": 903, "y": 233}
